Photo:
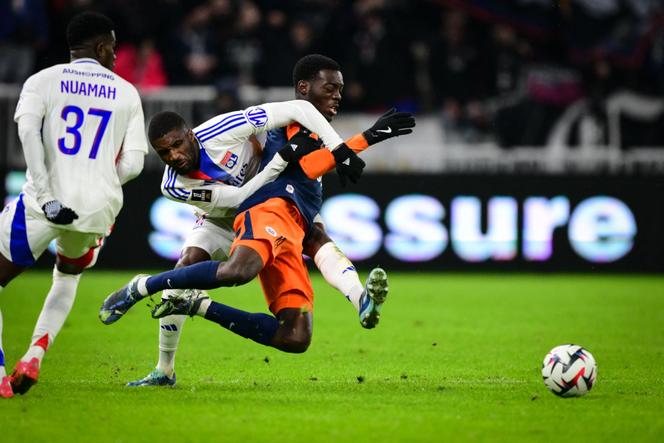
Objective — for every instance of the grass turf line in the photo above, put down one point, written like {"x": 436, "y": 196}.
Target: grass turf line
{"x": 456, "y": 357}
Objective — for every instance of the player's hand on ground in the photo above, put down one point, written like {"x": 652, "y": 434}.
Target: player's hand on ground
{"x": 391, "y": 124}
{"x": 349, "y": 165}
{"x": 299, "y": 145}
{"x": 56, "y": 213}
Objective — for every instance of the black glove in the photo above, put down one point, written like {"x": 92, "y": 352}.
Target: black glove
{"x": 58, "y": 214}
{"x": 349, "y": 165}
{"x": 299, "y": 145}
{"x": 391, "y": 124}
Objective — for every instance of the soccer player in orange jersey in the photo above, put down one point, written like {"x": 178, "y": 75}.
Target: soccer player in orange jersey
{"x": 275, "y": 222}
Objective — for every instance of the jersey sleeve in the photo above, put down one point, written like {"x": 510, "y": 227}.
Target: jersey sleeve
{"x": 227, "y": 131}
{"x": 280, "y": 114}
{"x": 29, "y": 132}
{"x": 225, "y": 128}
{"x": 31, "y": 100}
{"x": 211, "y": 196}
{"x": 256, "y": 120}
{"x": 321, "y": 161}
{"x": 135, "y": 137}
{"x": 172, "y": 187}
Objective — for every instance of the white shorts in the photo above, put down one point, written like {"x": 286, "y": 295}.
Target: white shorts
{"x": 214, "y": 236}
{"x": 26, "y": 235}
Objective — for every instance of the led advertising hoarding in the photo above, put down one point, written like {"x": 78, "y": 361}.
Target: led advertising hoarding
{"x": 441, "y": 223}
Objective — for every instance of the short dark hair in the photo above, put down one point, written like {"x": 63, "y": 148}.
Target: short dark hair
{"x": 164, "y": 122}
{"x": 87, "y": 25}
{"x": 308, "y": 67}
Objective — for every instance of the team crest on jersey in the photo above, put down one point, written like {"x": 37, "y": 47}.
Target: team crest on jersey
{"x": 230, "y": 160}
{"x": 257, "y": 116}
{"x": 270, "y": 230}
{"x": 289, "y": 188}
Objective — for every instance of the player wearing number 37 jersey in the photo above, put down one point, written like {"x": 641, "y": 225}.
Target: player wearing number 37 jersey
{"x": 83, "y": 136}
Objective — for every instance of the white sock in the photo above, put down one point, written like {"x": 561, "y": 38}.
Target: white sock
{"x": 170, "y": 328}
{"x": 339, "y": 272}
{"x": 56, "y": 308}
{"x": 3, "y": 372}
{"x": 203, "y": 307}
{"x": 141, "y": 286}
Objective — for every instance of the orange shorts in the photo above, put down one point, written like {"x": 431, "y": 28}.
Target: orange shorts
{"x": 275, "y": 230}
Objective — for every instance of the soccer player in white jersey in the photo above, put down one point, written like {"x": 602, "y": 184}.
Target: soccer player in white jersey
{"x": 212, "y": 236}
{"x": 83, "y": 136}
{"x": 213, "y": 167}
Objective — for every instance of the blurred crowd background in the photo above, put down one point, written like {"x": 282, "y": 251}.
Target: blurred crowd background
{"x": 540, "y": 123}
{"x": 498, "y": 71}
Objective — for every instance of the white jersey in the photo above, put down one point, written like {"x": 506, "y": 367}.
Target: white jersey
{"x": 89, "y": 115}
{"x": 228, "y": 158}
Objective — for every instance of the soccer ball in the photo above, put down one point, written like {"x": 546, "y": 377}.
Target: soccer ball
{"x": 569, "y": 371}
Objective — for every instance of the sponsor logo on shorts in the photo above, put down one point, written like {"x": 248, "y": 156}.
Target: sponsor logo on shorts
{"x": 270, "y": 230}
{"x": 201, "y": 195}
{"x": 289, "y": 188}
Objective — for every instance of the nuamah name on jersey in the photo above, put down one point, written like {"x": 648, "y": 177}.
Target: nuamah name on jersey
{"x": 237, "y": 180}
{"x": 87, "y": 89}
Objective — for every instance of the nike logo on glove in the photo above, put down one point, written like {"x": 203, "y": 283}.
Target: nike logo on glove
{"x": 385, "y": 131}
{"x": 346, "y": 162}
{"x": 294, "y": 147}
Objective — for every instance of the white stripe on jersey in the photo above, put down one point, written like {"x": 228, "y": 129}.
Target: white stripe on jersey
{"x": 215, "y": 129}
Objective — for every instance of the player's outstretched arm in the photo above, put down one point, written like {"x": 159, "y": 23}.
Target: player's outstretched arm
{"x": 301, "y": 111}
{"x": 320, "y": 162}
{"x": 390, "y": 124}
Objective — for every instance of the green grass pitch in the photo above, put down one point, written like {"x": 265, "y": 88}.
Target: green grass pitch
{"x": 455, "y": 358}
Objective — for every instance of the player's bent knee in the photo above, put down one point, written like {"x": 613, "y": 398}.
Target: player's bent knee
{"x": 8, "y": 270}
{"x": 68, "y": 268}
{"x": 243, "y": 266}
{"x": 295, "y": 331}
{"x": 235, "y": 273}
{"x": 316, "y": 238}
{"x": 296, "y": 344}
{"x": 68, "y": 265}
